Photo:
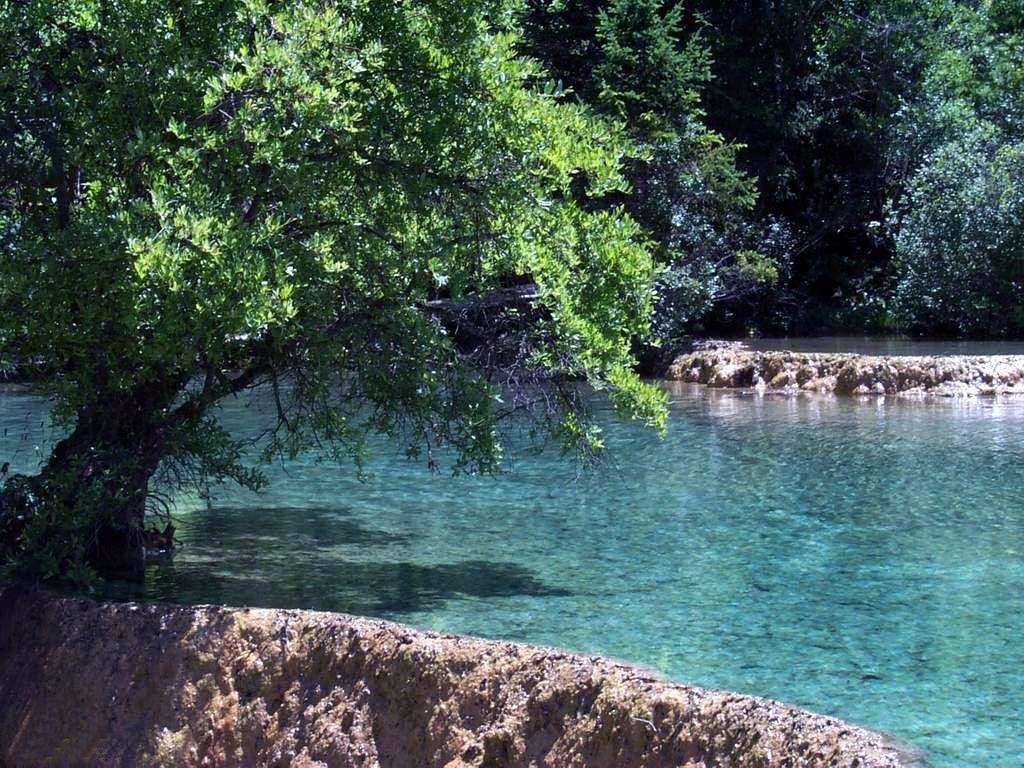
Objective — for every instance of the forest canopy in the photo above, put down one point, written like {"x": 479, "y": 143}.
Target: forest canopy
{"x": 814, "y": 166}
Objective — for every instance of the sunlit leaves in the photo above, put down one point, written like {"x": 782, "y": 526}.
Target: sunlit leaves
{"x": 958, "y": 233}
{"x": 207, "y": 189}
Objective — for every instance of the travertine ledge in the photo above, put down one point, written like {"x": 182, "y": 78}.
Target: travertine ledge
{"x": 732, "y": 366}
{"x": 93, "y": 684}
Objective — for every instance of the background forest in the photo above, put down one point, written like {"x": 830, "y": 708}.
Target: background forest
{"x": 814, "y": 165}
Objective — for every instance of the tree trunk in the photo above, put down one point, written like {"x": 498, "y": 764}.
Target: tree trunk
{"x": 96, "y": 481}
{"x": 103, "y": 474}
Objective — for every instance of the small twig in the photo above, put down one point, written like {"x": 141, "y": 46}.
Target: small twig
{"x": 648, "y": 723}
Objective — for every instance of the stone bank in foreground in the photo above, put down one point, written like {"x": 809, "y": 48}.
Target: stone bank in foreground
{"x": 83, "y": 683}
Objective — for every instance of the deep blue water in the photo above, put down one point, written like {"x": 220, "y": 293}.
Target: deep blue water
{"x": 862, "y": 558}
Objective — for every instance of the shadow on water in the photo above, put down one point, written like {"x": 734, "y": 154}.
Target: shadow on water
{"x": 281, "y": 526}
{"x": 314, "y": 558}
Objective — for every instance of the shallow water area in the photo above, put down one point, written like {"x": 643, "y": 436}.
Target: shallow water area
{"x": 861, "y": 557}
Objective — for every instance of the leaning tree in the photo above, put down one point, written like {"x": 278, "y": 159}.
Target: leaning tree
{"x": 374, "y": 210}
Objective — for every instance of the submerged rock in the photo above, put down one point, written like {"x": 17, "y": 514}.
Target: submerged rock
{"x": 93, "y": 684}
{"x": 732, "y": 366}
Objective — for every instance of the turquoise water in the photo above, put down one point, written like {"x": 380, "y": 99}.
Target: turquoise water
{"x": 863, "y": 558}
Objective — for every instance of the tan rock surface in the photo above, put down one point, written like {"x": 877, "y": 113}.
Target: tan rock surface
{"x": 93, "y": 684}
{"x": 731, "y": 366}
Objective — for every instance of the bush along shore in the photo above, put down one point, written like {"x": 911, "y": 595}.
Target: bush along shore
{"x": 86, "y": 683}
{"x": 730, "y": 365}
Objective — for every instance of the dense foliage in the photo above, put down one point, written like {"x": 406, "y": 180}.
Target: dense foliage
{"x": 316, "y": 197}
{"x": 836, "y": 111}
{"x": 632, "y": 60}
{"x": 959, "y": 219}
{"x": 433, "y": 219}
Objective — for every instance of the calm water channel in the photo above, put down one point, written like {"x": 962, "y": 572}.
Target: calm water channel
{"x": 863, "y": 558}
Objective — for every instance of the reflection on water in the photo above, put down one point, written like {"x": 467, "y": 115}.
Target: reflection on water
{"x": 863, "y": 558}
{"x": 886, "y": 345}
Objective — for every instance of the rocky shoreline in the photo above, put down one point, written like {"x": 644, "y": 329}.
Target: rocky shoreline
{"x": 84, "y": 683}
{"x": 730, "y": 365}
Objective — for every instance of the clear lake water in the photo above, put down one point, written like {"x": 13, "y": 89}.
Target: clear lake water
{"x": 862, "y": 558}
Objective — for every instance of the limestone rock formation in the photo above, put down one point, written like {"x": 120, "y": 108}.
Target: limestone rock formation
{"x": 93, "y": 684}
{"x": 849, "y": 374}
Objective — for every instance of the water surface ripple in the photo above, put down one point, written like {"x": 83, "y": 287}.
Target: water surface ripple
{"x": 862, "y": 558}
